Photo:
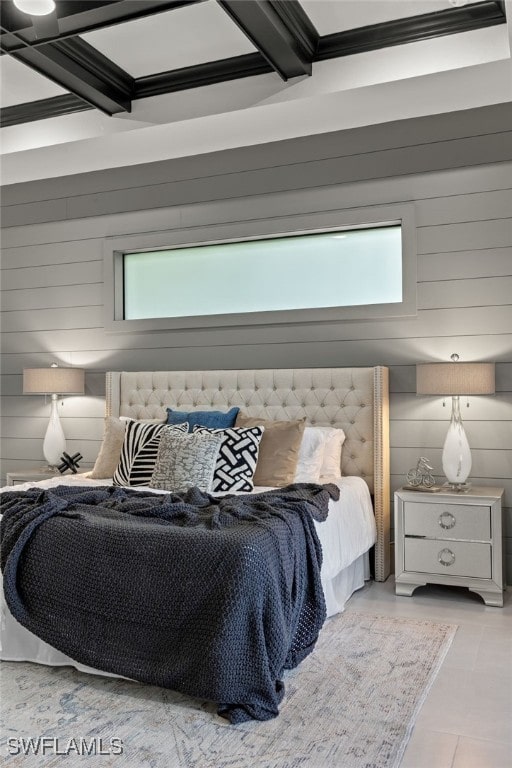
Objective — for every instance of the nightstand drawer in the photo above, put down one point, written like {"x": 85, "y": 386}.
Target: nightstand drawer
{"x": 447, "y": 521}
{"x": 30, "y": 476}
{"x": 455, "y": 558}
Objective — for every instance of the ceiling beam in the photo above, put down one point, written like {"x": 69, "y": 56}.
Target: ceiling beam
{"x": 234, "y": 68}
{"x": 449, "y": 21}
{"x": 77, "y": 18}
{"x": 412, "y": 29}
{"x": 56, "y": 106}
{"x": 81, "y": 69}
{"x": 280, "y": 30}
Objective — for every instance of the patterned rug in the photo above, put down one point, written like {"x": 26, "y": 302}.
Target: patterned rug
{"x": 350, "y": 704}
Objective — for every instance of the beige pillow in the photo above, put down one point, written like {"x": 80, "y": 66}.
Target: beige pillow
{"x": 110, "y": 451}
{"x": 279, "y": 449}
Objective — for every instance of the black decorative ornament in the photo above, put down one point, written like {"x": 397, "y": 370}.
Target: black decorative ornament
{"x": 69, "y": 462}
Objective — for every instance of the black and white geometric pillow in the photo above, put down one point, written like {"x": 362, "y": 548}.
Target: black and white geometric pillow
{"x": 237, "y": 459}
{"x": 139, "y": 452}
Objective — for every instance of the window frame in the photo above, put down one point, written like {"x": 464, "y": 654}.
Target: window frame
{"x": 292, "y": 226}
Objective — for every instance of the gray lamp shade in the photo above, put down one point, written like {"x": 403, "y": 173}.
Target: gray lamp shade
{"x": 49, "y": 381}
{"x": 455, "y": 379}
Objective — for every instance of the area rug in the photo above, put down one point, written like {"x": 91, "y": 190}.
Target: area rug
{"x": 351, "y": 704}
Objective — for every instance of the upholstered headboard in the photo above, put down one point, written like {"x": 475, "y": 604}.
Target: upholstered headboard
{"x": 355, "y": 399}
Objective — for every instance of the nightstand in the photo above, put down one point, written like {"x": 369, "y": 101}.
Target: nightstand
{"x": 30, "y": 475}
{"x": 450, "y": 538}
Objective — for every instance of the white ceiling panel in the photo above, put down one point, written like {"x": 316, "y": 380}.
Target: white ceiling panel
{"x": 194, "y": 34}
{"x": 19, "y": 84}
{"x": 330, "y": 16}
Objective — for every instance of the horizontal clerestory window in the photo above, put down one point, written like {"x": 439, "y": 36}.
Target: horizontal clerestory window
{"x": 358, "y": 272}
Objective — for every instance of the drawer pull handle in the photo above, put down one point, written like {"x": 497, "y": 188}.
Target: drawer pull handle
{"x": 446, "y": 557}
{"x": 447, "y": 520}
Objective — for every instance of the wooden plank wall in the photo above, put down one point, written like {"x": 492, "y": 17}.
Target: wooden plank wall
{"x": 457, "y": 171}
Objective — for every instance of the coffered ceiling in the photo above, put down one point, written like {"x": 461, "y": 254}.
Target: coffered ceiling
{"x": 95, "y": 69}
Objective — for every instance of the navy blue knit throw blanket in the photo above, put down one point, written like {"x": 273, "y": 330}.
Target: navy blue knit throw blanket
{"x": 213, "y": 597}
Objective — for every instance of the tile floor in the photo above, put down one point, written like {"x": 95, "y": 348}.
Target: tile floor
{"x": 466, "y": 720}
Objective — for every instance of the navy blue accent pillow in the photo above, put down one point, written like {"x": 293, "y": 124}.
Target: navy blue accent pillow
{"x": 210, "y": 419}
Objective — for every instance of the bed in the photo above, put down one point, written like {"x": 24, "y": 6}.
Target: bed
{"x": 354, "y": 400}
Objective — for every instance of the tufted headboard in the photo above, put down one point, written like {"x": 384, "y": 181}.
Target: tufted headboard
{"x": 355, "y": 399}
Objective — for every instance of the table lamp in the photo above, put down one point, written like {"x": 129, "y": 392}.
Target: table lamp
{"x": 455, "y": 379}
{"x": 53, "y": 381}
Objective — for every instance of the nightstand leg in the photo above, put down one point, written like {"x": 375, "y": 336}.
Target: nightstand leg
{"x": 406, "y": 589}
{"x": 490, "y": 598}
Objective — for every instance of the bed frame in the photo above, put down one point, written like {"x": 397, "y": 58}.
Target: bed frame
{"x": 355, "y": 399}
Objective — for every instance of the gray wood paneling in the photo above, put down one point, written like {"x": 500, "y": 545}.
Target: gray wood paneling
{"x": 379, "y": 191}
{"x": 48, "y": 254}
{"x": 431, "y": 434}
{"x": 409, "y": 407}
{"x": 457, "y": 171}
{"x": 470, "y": 207}
{"x": 299, "y": 175}
{"x": 484, "y": 121}
{"x": 77, "y": 428}
{"x": 463, "y": 321}
{"x": 43, "y": 210}
{"x": 23, "y": 407}
{"x": 482, "y": 262}
{"x": 493, "y": 233}
{"x": 493, "y": 463}
{"x": 76, "y": 273}
{"x": 91, "y": 349}
{"x": 49, "y": 319}
{"x": 474, "y": 292}
{"x": 22, "y": 299}
{"x": 32, "y": 449}
{"x": 270, "y": 205}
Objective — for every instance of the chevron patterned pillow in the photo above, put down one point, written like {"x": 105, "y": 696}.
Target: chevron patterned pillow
{"x": 237, "y": 458}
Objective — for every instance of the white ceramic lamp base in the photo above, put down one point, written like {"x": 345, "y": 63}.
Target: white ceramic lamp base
{"x": 456, "y": 452}
{"x": 54, "y": 441}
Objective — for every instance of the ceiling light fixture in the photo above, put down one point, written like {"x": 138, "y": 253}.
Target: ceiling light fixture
{"x": 35, "y": 7}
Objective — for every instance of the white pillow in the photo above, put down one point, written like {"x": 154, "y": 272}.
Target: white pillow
{"x": 319, "y": 455}
{"x": 311, "y": 456}
{"x": 331, "y": 465}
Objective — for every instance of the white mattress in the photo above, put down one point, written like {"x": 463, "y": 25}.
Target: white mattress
{"x": 346, "y": 536}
